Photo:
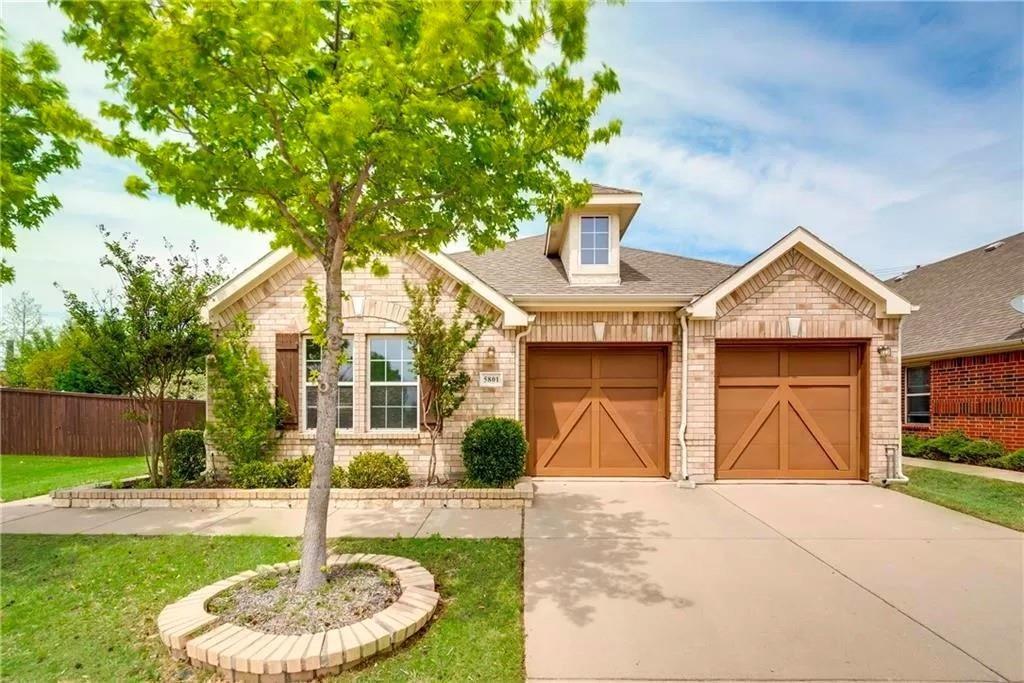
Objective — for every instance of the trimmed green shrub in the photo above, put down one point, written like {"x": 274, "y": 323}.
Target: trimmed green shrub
{"x": 945, "y": 446}
{"x": 1010, "y": 461}
{"x": 281, "y": 474}
{"x": 378, "y": 470}
{"x": 913, "y": 445}
{"x": 305, "y": 474}
{"x": 494, "y": 451}
{"x": 187, "y": 454}
{"x": 977, "y": 452}
{"x": 258, "y": 474}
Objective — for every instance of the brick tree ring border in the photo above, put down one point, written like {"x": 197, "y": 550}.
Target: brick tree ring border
{"x": 242, "y": 654}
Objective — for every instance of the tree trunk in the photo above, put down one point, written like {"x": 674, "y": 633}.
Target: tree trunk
{"x": 314, "y": 534}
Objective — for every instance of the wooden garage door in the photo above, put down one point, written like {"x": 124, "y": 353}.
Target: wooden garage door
{"x": 788, "y": 412}
{"x": 597, "y": 411}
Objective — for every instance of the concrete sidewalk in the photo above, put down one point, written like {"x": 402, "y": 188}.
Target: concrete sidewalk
{"x": 38, "y": 517}
{"x": 976, "y": 470}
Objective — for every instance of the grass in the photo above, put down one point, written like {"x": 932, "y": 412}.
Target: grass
{"x": 85, "y": 607}
{"x": 993, "y": 500}
{"x": 22, "y": 476}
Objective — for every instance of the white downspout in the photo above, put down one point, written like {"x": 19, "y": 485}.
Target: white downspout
{"x": 518, "y": 338}
{"x": 900, "y": 478}
{"x": 684, "y": 474}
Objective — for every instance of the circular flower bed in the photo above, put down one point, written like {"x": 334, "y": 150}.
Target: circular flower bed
{"x": 247, "y": 624}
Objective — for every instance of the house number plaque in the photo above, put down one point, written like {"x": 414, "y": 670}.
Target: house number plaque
{"x": 491, "y": 379}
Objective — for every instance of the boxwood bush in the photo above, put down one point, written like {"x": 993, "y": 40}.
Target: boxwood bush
{"x": 378, "y": 470}
{"x": 494, "y": 451}
{"x": 979, "y": 451}
{"x": 187, "y": 453}
{"x": 913, "y": 445}
{"x": 1010, "y": 461}
{"x": 281, "y": 474}
{"x": 946, "y": 446}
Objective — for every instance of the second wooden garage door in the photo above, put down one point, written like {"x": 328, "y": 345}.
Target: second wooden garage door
{"x": 597, "y": 411}
{"x": 788, "y": 412}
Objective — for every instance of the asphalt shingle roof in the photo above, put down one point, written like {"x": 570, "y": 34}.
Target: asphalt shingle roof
{"x": 521, "y": 269}
{"x": 964, "y": 300}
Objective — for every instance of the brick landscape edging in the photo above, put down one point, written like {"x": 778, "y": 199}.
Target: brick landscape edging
{"x": 414, "y": 497}
{"x": 243, "y": 654}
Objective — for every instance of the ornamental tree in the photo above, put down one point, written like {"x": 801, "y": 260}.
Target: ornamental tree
{"x": 440, "y": 344}
{"x": 39, "y": 132}
{"x": 149, "y": 338}
{"x": 351, "y": 131}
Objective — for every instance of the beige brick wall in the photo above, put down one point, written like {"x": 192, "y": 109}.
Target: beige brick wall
{"x": 793, "y": 285}
{"x": 278, "y": 306}
{"x": 829, "y": 309}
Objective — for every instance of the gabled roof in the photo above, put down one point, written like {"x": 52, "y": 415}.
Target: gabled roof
{"x": 237, "y": 287}
{"x": 522, "y": 271}
{"x": 964, "y": 301}
{"x": 888, "y": 303}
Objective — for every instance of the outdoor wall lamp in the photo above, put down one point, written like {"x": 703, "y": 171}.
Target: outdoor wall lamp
{"x": 491, "y": 353}
{"x": 885, "y": 352}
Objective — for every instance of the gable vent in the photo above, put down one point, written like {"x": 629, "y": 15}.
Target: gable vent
{"x": 993, "y": 246}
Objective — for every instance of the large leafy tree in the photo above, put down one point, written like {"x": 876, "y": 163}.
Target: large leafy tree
{"x": 38, "y": 134}
{"x": 351, "y": 130}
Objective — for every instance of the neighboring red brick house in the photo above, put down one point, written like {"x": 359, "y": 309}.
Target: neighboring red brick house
{"x": 963, "y": 350}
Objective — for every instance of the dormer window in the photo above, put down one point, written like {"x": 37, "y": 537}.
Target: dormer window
{"x": 594, "y": 240}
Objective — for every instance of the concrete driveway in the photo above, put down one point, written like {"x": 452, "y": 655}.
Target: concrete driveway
{"x": 767, "y": 582}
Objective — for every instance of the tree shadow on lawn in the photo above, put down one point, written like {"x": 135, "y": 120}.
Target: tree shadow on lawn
{"x": 581, "y": 552}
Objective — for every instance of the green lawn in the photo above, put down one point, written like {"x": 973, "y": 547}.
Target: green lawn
{"x": 85, "y": 607}
{"x": 994, "y": 500}
{"x": 22, "y": 476}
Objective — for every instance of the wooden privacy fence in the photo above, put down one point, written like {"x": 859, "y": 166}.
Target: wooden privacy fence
{"x": 34, "y": 422}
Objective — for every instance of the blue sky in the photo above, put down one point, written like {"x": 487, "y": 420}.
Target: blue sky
{"x": 894, "y": 131}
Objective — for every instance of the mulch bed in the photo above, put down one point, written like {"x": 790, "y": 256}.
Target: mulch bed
{"x": 269, "y": 602}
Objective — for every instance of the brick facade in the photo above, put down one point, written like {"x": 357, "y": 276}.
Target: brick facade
{"x": 792, "y": 285}
{"x": 983, "y": 396}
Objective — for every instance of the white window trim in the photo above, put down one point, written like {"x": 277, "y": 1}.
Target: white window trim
{"x": 303, "y": 402}
{"x": 370, "y": 384}
{"x": 907, "y": 394}
{"x": 608, "y": 247}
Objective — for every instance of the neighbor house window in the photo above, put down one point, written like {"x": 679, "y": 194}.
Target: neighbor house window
{"x": 919, "y": 394}
{"x": 594, "y": 240}
{"x": 311, "y": 360}
{"x": 394, "y": 387}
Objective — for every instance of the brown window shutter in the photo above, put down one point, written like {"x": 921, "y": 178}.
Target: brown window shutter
{"x": 287, "y": 373}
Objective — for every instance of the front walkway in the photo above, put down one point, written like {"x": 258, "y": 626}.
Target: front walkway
{"x": 767, "y": 582}
{"x": 976, "y": 470}
{"x": 38, "y": 517}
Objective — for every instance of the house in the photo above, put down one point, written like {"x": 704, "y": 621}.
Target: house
{"x": 963, "y": 351}
{"x": 619, "y": 361}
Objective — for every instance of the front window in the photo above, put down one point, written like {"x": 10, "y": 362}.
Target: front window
{"x": 394, "y": 386}
{"x": 312, "y": 358}
{"x": 919, "y": 394}
{"x": 594, "y": 240}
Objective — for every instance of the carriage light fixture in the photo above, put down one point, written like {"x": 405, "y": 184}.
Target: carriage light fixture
{"x": 885, "y": 352}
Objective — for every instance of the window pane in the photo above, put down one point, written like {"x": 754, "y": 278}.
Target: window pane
{"x": 313, "y": 361}
{"x": 587, "y": 257}
{"x": 376, "y": 418}
{"x": 410, "y": 396}
{"x": 919, "y": 408}
{"x": 377, "y": 370}
{"x": 394, "y": 418}
{"x": 311, "y": 407}
{"x": 919, "y": 380}
{"x": 394, "y": 346}
{"x": 409, "y": 418}
{"x": 601, "y": 240}
{"x": 601, "y": 256}
{"x": 377, "y": 396}
{"x": 312, "y": 350}
{"x": 312, "y": 371}
{"x": 587, "y": 240}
